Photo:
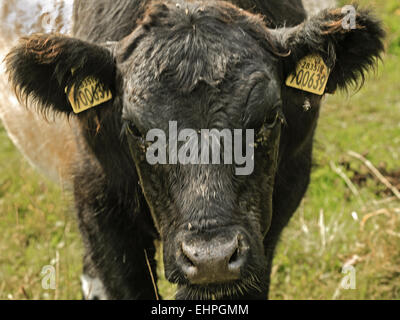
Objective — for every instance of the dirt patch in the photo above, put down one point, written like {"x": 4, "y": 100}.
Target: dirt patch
{"x": 361, "y": 176}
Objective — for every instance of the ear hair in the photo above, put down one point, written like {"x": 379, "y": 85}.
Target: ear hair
{"x": 349, "y": 53}
{"x": 40, "y": 68}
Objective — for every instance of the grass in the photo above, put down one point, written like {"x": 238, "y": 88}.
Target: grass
{"x": 332, "y": 227}
{"x": 36, "y": 226}
{"x": 323, "y": 235}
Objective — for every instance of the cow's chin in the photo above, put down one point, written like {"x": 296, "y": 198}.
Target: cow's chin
{"x": 252, "y": 285}
{"x": 249, "y": 286}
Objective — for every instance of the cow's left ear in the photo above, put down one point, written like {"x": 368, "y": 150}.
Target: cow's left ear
{"x": 349, "y": 45}
{"x": 46, "y": 67}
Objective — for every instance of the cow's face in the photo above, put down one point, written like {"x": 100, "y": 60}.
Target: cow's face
{"x": 200, "y": 66}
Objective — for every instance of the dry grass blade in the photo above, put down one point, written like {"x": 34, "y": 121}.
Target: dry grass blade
{"x": 57, "y": 275}
{"x": 25, "y": 294}
{"x": 376, "y": 172}
{"x": 322, "y": 229}
{"x": 374, "y": 214}
{"x": 346, "y": 179}
{"x": 392, "y": 233}
{"x": 384, "y": 201}
{"x": 151, "y": 274}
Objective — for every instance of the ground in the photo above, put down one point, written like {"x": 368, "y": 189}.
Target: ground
{"x": 348, "y": 218}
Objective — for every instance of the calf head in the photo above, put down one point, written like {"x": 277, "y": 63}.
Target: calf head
{"x": 205, "y": 65}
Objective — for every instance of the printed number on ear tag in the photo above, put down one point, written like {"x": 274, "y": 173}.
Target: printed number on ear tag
{"x": 311, "y": 75}
{"x": 91, "y": 93}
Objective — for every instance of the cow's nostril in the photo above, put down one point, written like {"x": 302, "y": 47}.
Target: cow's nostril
{"x": 238, "y": 258}
{"x": 187, "y": 257}
{"x": 188, "y": 262}
{"x": 235, "y": 257}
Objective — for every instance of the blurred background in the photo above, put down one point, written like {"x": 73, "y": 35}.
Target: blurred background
{"x": 349, "y": 219}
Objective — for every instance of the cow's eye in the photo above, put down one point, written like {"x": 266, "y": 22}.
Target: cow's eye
{"x": 132, "y": 129}
{"x": 275, "y": 117}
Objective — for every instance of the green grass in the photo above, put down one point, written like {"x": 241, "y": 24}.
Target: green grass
{"x": 37, "y": 224}
{"x": 365, "y": 122}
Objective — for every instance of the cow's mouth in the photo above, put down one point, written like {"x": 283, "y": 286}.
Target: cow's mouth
{"x": 230, "y": 290}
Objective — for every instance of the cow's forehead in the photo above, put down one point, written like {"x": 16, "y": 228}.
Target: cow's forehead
{"x": 220, "y": 105}
{"x": 193, "y": 63}
{"x": 185, "y": 76}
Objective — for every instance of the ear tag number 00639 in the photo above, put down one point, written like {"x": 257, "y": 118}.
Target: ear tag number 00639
{"x": 91, "y": 93}
{"x": 311, "y": 75}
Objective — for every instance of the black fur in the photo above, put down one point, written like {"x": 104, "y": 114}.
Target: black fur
{"x": 206, "y": 64}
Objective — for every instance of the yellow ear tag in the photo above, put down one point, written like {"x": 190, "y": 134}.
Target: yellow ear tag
{"x": 311, "y": 75}
{"x": 88, "y": 96}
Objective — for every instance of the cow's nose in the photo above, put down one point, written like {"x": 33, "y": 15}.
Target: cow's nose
{"x": 214, "y": 261}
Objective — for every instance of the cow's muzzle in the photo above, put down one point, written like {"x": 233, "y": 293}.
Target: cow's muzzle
{"x": 206, "y": 258}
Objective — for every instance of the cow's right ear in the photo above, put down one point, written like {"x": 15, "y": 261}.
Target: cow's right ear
{"x": 45, "y": 67}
